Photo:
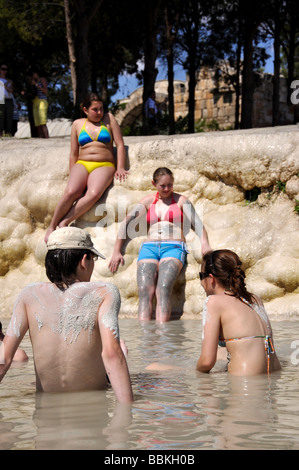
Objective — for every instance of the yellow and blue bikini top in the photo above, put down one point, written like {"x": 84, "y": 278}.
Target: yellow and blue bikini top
{"x": 103, "y": 135}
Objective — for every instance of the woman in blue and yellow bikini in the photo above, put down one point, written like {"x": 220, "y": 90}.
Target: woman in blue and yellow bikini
{"x": 92, "y": 164}
{"x": 234, "y": 318}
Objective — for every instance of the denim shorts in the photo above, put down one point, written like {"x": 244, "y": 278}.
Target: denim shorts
{"x": 160, "y": 250}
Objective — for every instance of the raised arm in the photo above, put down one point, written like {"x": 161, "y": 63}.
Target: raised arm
{"x": 114, "y": 360}
{"x": 210, "y": 336}
{"x": 117, "y": 257}
{"x": 197, "y": 225}
{"x": 74, "y": 152}
{"x": 16, "y": 330}
{"x": 120, "y": 173}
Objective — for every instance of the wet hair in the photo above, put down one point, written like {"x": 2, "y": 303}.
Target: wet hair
{"x": 61, "y": 266}
{"x": 161, "y": 172}
{"x": 226, "y": 266}
{"x": 86, "y": 103}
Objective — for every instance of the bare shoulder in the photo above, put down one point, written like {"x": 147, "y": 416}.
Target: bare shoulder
{"x": 217, "y": 303}
{"x": 112, "y": 291}
{"x": 34, "y": 291}
{"x": 257, "y": 299}
{"x": 212, "y": 310}
{"x": 108, "y": 118}
{"x": 213, "y": 300}
{"x": 105, "y": 290}
{"x": 102, "y": 293}
{"x": 77, "y": 124}
{"x": 109, "y": 309}
{"x": 30, "y": 289}
{"x": 180, "y": 199}
{"x": 148, "y": 200}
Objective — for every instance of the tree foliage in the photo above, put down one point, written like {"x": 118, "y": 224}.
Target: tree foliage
{"x": 109, "y": 38}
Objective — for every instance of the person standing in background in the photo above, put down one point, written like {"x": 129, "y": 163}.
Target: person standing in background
{"x": 40, "y": 105}
{"x": 15, "y": 117}
{"x": 16, "y": 112}
{"x": 152, "y": 113}
{"x": 2, "y": 105}
{"x": 6, "y": 116}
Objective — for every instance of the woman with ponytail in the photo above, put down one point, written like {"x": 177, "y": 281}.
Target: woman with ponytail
{"x": 234, "y": 318}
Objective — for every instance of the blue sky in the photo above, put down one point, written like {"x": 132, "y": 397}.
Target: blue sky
{"x": 129, "y": 83}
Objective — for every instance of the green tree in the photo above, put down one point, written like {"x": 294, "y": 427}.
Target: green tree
{"x": 32, "y": 35}
{"x": 192, "y": 39}
{"x": 273, "y": 26}
{"x": 83, "y": 15}
{"x": 252, "y": 15}
{"x": 150, "y": 21}
{"x": 167, "y": 45}
{"x": 227, "y": 41}
{"x": 290, "y": 48}
{"x": 117, "y": 49}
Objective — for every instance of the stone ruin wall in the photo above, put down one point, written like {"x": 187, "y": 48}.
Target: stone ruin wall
{"x": 216, "y": 100}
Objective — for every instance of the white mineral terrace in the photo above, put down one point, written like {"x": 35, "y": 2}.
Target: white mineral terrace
{"x": 212, "y": 169}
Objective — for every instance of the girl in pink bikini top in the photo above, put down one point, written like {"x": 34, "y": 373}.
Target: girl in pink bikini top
{"x": 174, "y": 214}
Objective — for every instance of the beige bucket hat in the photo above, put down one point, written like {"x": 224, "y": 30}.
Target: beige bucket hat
{"x": 71, "y": 238}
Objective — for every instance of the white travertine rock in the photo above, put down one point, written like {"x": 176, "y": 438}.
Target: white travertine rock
{"x": 214, "y": 170}
{"x": 292, "y": 188}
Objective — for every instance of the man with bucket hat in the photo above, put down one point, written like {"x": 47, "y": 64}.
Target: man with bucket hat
{"x": 73, "y": 323}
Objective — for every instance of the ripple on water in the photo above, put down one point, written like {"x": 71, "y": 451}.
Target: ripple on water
{"x": 174, "y": 409}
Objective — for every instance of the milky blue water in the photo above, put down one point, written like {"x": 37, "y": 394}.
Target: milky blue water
{"x": 179, "y": 409}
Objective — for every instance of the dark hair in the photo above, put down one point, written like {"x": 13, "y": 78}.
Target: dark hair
{"x": 40, "y": 72}
{"x": 161, "y": 172}
{"x": 1, "y": 333}
{"x": 86, "y": 103}
{"x": 227, "y": 267}
{"x": 61, "y": 266}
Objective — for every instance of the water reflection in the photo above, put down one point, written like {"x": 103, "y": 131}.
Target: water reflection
{"x": 174, "y": 409}
{"x": 240, "y": 411}
{"x": 80, "y": 421}
{"x": 183, "y": 409}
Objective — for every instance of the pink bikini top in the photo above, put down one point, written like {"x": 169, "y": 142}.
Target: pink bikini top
{"x": 173, "y": 215}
